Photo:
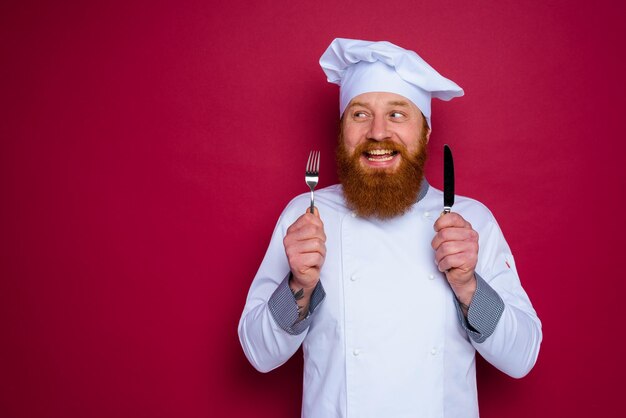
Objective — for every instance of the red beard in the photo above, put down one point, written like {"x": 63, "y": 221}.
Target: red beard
{"x": 376, "y": 193}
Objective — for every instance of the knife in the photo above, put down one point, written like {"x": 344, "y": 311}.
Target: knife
{"x": 448, "y": 180}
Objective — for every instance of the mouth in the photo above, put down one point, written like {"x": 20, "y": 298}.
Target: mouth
{"x": 380, "y": 155}
{"x": 380, "y": 158}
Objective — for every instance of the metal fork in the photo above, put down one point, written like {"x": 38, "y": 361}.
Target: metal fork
{"x": 312, "y": 174}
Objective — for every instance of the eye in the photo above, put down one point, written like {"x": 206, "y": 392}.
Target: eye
{"x": 359, "y": 114}
{"x": 396, "y": 115}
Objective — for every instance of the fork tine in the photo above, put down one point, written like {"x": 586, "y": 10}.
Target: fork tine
{"x": 317, "y": 162}
{"x": 312, "y": 174}
{"x": 308, "y": 163}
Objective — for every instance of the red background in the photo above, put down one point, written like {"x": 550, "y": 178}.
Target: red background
{"x": 148, "y": 147}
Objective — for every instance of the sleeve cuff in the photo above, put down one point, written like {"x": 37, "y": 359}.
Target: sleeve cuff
{"x": 484, "y": 312}
{"x": 284, "y": 309}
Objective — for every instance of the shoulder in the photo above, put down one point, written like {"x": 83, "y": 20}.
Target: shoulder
{"x": 329, "y": 201}
{"x": 472, "y": 210}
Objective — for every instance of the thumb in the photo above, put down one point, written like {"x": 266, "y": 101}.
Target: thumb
{"x": 315, "y": 211}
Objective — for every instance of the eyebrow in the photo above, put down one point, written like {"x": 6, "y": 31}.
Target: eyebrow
{"x": 353, "y": 104}
{"x": 402, "y": 103}
{"x": 399, "y": 103}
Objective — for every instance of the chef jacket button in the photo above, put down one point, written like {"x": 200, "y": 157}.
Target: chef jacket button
{"x": 431, "y": 276}
{"x": 433, "y": 351}
{"x": 353, "y": 277}
{"x": 356, "y": 352}
{"x": 427, "y": 214}
{"x": 353, "y": 214}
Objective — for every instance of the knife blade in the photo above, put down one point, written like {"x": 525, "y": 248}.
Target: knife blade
{"x": 448, "y": 179}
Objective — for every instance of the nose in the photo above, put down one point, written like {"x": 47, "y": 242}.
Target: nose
{"x": 378, "y": 129}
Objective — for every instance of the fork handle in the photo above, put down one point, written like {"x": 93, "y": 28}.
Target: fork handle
{"x": 312, "y": 202}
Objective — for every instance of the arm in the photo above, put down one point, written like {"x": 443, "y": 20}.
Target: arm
{"x": 274, "y": 321}
{"x": 493, "y": 308}
{"x": 513, "y": 347}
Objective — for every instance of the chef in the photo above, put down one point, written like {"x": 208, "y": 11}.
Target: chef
{"x": 389, "y": 299}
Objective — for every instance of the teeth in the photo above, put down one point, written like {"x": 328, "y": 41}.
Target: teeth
{"x": 389, "y": 157}
{"x": 379, "y": 151}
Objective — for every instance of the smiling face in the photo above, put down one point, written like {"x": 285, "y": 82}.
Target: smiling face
{"x": 381, "y": 154}
{"x": 378, "y": 125}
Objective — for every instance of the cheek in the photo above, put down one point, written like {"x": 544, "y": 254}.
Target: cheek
{"x": 412, "y": 147}
{"x": 351, "y": 139}
{"x": 412, "y": 144}
{"x": 411, "y": 141}
{"x": 349, "y": 147}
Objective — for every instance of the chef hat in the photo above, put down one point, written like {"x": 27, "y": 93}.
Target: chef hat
{"x": 364, "y": 66}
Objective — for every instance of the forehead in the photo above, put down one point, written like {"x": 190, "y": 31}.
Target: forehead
{"x": 381, "y": 99}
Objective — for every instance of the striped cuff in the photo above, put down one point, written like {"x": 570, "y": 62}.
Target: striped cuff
{"x": 284, "y": 309}
{"x": 484, "y": 312}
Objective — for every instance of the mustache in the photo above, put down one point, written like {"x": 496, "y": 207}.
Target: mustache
{"x": 388, "y": 145}
{"x": 372, "y": 145}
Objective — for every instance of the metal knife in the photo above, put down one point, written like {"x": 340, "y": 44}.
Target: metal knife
{"x": 448, "y": 179}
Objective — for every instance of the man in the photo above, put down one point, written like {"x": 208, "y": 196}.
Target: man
{"x": 389, "y": 299}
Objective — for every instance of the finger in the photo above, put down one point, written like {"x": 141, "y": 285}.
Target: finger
{"x": 307, "y": 246}
{"x": 453, "y": 234}
{"x": 304, "y": 264}
{"x": 315, "y": 211}
{"x": 463, "y": 260}
{"x": 304, "y": 233}
{"x": 299, "y": 248}
{"x": 451, "y": 219}
{"x": 305, "y": 220}
{"x": 306, "y": 261}
{"x": 452, "y": 248}
{"x": 450, "y": 262}
{"x": 455, "y": 247}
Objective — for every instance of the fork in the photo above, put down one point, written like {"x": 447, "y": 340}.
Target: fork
{"x": 312, "y": 174}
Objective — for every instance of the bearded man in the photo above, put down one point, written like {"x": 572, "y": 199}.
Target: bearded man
{"x": 389, "y": 300}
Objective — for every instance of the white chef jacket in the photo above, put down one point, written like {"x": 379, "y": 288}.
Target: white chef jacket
{"x": 388, "y": 340}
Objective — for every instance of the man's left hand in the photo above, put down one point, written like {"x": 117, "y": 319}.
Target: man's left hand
{"x": 456, "y": 253}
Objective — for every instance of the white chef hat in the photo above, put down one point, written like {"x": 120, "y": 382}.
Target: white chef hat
{"x": 364, "y": 66}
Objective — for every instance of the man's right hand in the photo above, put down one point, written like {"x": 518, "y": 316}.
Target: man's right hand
{"x": 305, "y": 246}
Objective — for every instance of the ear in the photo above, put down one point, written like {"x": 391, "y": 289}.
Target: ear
{"x": 428, "y": 135}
